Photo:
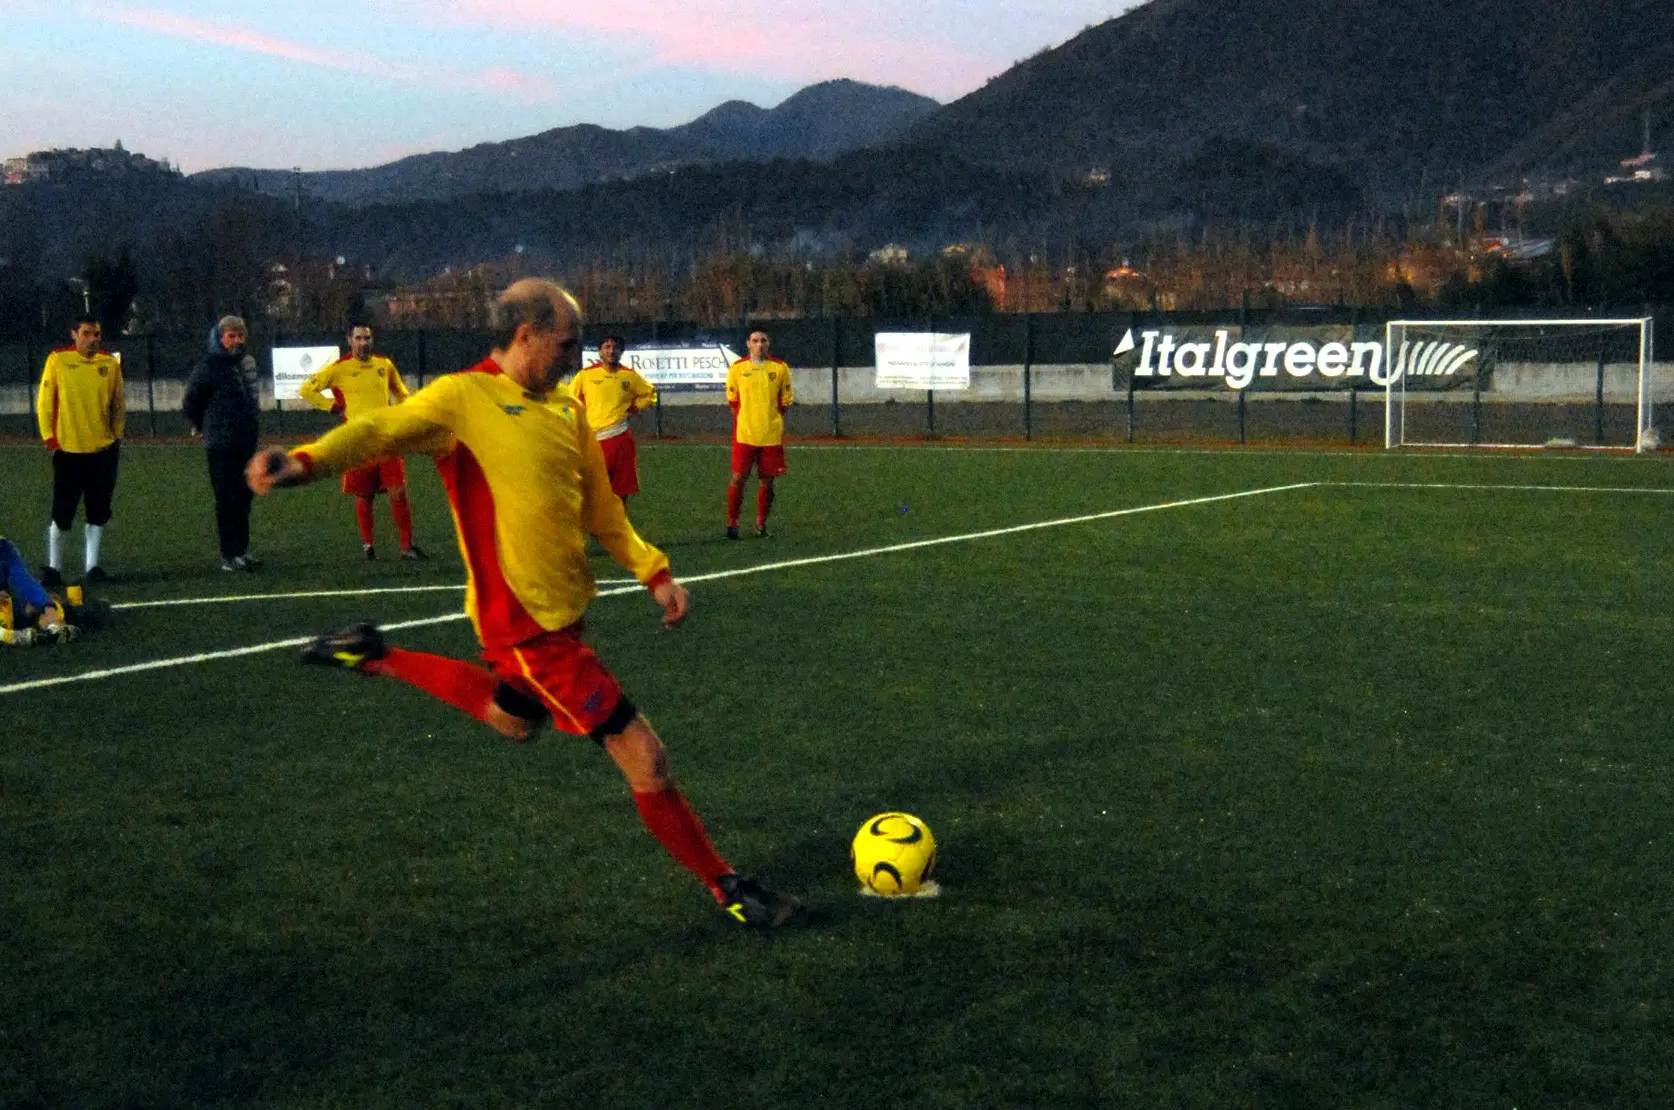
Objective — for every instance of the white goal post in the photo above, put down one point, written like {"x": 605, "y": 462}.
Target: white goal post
{"x": 1520, "y": 383}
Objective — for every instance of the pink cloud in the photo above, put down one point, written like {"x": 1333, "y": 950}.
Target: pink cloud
{"x": 518, "y": 85}
{"x": 810, "y": 42}
{"x": 221, "y": 34}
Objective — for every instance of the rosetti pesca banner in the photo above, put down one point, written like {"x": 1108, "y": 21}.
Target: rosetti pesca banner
{"x": 1286, "y": 358}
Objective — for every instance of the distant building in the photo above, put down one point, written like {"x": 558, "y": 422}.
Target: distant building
{"x": 60, "y": 166}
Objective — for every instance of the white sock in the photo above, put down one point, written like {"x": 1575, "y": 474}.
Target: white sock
{"x": 55, "y": 547}
{"x": 91, "y": 534}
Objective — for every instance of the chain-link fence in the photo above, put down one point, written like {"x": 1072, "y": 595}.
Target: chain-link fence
{"x": 1055, "y": 377}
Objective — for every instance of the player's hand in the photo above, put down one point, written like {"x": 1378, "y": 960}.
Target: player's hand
{"x": 674, "y": 599}
{"x": 273, "y": 466}
{"x": 51, "y": 444}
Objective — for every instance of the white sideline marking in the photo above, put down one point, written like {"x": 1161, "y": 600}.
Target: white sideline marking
{"x": 990, "y": 533}
{"x": 311, "y": 593}
{"x": 1503, "y": 488}
{"x": 233, "y": 653}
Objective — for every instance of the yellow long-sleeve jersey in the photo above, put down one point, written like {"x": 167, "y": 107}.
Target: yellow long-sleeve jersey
{"x": 80, "y": 406}
{"x": 527, "y": 483}
{"x": 353, "y": 386}
{"x": 760, "y": 392}
{"x": 609, "y": 396}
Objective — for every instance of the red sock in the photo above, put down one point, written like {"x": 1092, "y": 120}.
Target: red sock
{"x": 764, "y": 504}
{"x": 403, "y": 514}
{"x": 363, "y": 517}
{"x": 671, "y": 820}
{"x": 462, "y": 685}
{"x": 735, "y": 502}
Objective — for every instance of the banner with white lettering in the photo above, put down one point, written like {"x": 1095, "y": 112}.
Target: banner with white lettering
{"x": 691, "y": 365}
{"x": 923, "y": 360}
{"x": 294, "y": 365}
{"x": 1269, "y": 358}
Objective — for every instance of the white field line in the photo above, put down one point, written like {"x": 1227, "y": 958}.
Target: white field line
{"x": 224, "y": 598}
{"x": 1500, "y": 488}
{"x": 276, "y": 645}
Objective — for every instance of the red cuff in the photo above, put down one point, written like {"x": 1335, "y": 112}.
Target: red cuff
{"x": 659, "y": 578}
{"x": 306, "y": 460}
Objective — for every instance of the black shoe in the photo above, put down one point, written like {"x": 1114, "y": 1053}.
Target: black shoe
{"x": 762, "y": 532}
{"x": 347, "y": 647}
{"x": 248, "y": 562}
{"x": 367, "y": 550}
{"x": 95, "y": 575}
{"x": 732, "y": 531}
{"x": 414, "y": 554}
{"x": 754, "y": 906}
{"x": 51, "y": 579}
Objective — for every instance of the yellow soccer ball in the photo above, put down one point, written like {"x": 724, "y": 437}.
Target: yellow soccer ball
{"x": 893, "y": 853}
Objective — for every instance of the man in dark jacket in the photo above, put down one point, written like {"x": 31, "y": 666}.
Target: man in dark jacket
{"x": 221, "y": 402}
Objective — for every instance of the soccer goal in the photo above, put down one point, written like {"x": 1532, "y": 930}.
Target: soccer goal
{"x": 1520, "y": 383}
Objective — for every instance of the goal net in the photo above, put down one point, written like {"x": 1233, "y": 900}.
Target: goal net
{"x": 1519, "y": 383}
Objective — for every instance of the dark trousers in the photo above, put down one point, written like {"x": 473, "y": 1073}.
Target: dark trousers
{"x": 232, "y": 497}
{"x": 83, "y": 474}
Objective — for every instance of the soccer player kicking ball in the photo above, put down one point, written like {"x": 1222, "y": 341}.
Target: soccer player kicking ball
{"x": 528, "y": 485}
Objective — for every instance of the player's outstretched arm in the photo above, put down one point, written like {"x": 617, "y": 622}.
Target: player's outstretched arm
{"x": 271, "y": 467}
{"x": 674, "y": 599}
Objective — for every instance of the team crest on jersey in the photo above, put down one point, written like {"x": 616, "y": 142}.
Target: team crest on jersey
{"x": 513, "y": 410}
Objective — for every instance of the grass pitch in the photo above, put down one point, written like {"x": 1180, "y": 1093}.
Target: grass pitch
{"x": 1260, "y": 779}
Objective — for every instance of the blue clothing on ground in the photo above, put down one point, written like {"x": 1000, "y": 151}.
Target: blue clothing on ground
{"x": 18, "y": 581}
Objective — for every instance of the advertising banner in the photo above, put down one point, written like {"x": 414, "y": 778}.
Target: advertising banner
{"x": 689, "y": 365}
{"x": 294, "y": 365}
{"x": 923, "y": 360}
{"x": 1279, "y": 358}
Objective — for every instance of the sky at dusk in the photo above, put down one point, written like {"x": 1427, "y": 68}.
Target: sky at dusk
{"x": 328, "y": 84}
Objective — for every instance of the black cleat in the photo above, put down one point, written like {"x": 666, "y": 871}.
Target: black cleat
{"x": 95, "y": 575}
{"x": 369, "y": 551}
{"x": 754, "y": 906}
{"x": 762, "y": 532}
{"x": 414, "y": 554}
{"x": 51, "y": 579}
{"x": 348, "y": 647}
{"x": 732, "y": 531}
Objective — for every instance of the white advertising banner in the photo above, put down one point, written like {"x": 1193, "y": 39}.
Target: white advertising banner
{"x": 294, "y": 365}
{"x": 689, "y": 365}
{"x": 923, "y": 360}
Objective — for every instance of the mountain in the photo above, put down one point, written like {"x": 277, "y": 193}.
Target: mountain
{"x": 1395, "y": 97}
{"x": 819, "y": 123}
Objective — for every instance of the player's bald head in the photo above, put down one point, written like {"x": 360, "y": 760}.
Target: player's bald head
{"x": 543, "y": 305}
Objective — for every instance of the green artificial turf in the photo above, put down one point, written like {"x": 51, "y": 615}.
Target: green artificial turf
{"x": 1354, "y": 794}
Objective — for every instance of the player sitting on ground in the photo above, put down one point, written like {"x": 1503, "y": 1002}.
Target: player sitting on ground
{"x": 528, "y": 485}
{"x": 29, "y": 616}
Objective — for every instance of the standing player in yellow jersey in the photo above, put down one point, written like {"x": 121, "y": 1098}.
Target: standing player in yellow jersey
{"x": 358, "y": 383}
{"x": 758, "y": 392}
{"x": 611, "y": 392}
{"x": 81, "y": 413}
{"x": 528, "y": 486}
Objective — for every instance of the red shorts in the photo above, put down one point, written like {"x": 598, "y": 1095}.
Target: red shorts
{"x": 768, "y": 461}
{"x": 563, "y": 674}
{"x": 622, "y": 462}
{"x": 368, "y": 480}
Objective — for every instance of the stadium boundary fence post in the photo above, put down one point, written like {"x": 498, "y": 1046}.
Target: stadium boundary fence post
{"x": 1028, "y": 375}
{"x": 836, "y": 362}
{"x": 151, "y": 381}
